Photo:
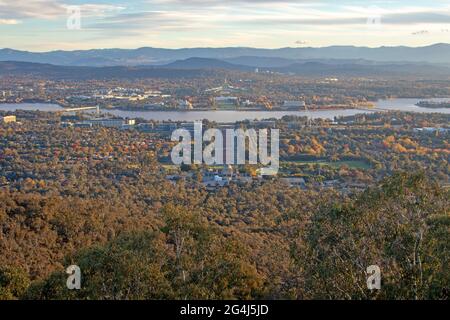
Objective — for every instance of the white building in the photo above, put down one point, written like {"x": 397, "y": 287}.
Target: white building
{"x": 227, "y": 101}
{"x": 109, "y": 123}
{"x": 294, "y": 104}
{"x": 8, "y": 119}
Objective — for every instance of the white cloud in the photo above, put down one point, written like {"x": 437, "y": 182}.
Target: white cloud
{"x": 9, "y": 21}
{"x": 265, "y": 23}
{"x": 50, "y": 9}
{"x": 43, "y": 9}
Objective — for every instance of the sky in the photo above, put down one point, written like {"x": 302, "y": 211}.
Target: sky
{"x": 44, "y": 25}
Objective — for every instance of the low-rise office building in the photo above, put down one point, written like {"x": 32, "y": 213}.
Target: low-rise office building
{"x": 8, "y": 119}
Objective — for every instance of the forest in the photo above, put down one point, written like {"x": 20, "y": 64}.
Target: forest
{"x": 232, "y": 245}
{"x": 100, "y": 199}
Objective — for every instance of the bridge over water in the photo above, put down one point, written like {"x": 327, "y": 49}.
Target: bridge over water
{"x": 80, "y": 109}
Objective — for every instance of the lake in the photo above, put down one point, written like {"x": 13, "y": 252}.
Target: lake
{"x": 410, "y": 105}
{"x": 232, "y": 116}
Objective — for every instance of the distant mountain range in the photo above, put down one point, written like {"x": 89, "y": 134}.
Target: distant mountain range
{"x": 202, "y": 67}
{"x": 434, "y": 54}
{"x": 49, "y": 71}
{"x": 205, "y": 63}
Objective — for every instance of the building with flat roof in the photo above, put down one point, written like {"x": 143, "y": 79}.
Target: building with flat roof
{"x": 226, "y": 101}
{"x": 110, "y": 123}
{"x": 294, "y": 104}
{"x": 8, "y": 119}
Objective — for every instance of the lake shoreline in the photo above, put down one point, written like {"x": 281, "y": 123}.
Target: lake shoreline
{"x": 231, "y": 116}
{"x": 237, "y": 110}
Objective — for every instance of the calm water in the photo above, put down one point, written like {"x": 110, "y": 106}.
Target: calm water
{"x": 29, "y": 107}
{"x": 232, "y": 116}
{"x": 410, "y": 105}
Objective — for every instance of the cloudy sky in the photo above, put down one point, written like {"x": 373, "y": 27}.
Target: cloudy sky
{"x": 42, "y": 25}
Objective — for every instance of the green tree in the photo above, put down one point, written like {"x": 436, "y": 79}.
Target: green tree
{"x": 402, "y": 226}
{"x": 13, "y": 283}
{"x": 132, "y": 267}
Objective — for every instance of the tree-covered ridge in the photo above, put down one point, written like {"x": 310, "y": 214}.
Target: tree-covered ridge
{"x": 402, "y": 225}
